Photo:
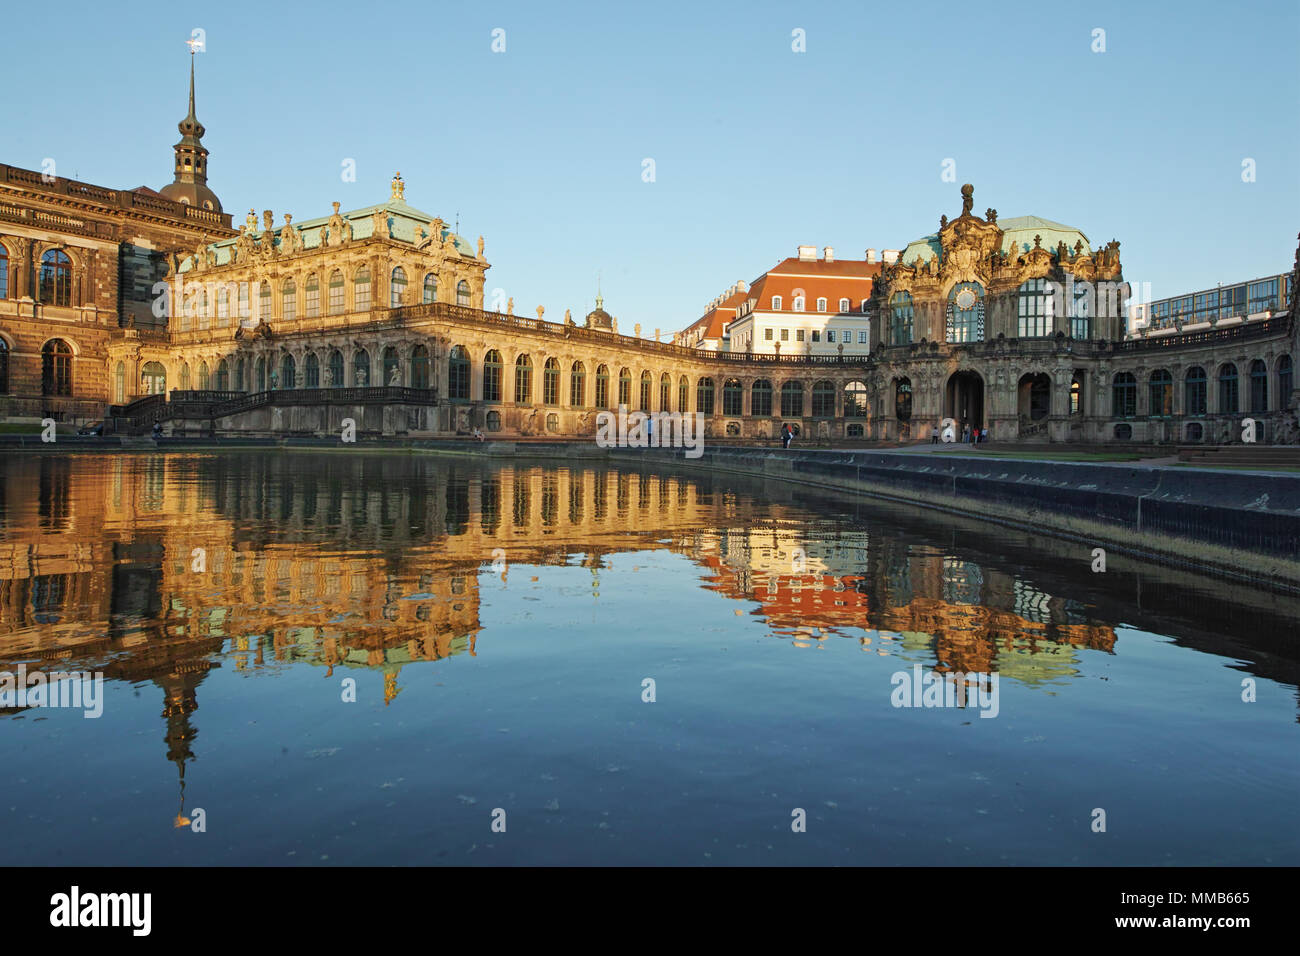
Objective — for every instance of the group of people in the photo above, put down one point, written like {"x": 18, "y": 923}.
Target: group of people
{"x": 969, "y": 436}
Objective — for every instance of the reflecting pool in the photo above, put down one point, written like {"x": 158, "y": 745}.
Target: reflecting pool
{"x": 384, "y": 658}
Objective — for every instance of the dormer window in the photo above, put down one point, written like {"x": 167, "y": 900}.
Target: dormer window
{"x": 821, "y": 305}
{"x": 776, "y": 303}
{"x": 845, "y": 305}
{"x": 798, "y": 303}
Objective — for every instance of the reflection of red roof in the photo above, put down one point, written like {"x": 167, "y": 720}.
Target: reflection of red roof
{"x": 798, "y": 601}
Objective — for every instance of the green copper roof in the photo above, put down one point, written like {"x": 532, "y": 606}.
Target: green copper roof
{"x": 1017, "y": 235}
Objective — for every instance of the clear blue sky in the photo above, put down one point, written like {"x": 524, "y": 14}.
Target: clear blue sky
{"x": 757, "y": 148}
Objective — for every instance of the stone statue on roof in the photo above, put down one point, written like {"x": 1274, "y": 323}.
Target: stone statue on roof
{"x": 379, "y": 220}
{"x": 480, "y": 247}
{"x": 290, "y": 239}
{"x": 967, "y": 199}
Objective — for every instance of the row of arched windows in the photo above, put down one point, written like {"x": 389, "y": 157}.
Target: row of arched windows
{"x": 56, "y": 367}
{"x": 797, "y": 303}
{"x": 965, "y": 312}
{"x": 201, "y": 304}
{"x": 53, "y": 277}
{"x": 609, "y": 393}
{"x": 1160, "y": 390}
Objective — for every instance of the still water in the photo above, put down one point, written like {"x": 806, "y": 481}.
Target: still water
{"x": 355, "y": 658}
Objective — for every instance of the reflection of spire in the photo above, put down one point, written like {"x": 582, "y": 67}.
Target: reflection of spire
{"x": 180, "y": 701}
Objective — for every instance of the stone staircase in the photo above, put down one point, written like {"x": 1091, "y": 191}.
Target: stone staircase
{"x": 1241, "y": 456}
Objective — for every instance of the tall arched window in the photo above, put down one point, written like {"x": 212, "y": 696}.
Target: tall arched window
{"x": 602, "y": 386}
{"x": 492, "y": 376}
{"x": 397, "y": 288}
{"x": 336, "y": 292}
{"x": 1258, "y": 386}
{"x": 577, "y": 385}
{"x": 792, "y": 400}
{"x": 392, "y": 368}
{"x": 683, "y": 394}
{"x": 186, "y": 382}
{"x": 523, "y": 380}
{"x": 430, "y": 289}
{"x": 259, "y": 374}
{"x": 4, "y": 272}
{"x": 704, "y": 396}
{"x": 665, "y": 393}
{"x": 821, "y": 303}
{"x": 311, "y": 371}
{"x": 1081, "y": 310}
{"x": 845, "y": 305}
{"x": 903, "y": 399}
{"x": 205, "y": 377}
{"x": 1125, "y": 394}
{"x": 288, "y": 371}
{"x": 855, "y": 400}
{"x": 1229, "y": 391}
{"x": 119, "y": 375}
{"x": 733, "y": 397}
{"x": 761, "y": 398}
{"x": 1034, "y": 310}
{"x": 312, "y": 288}
{"x": 361, "y": 368}
{"x": 462, "y": 292}
{"x": 420, "y": 367}
{"x": 223, "y": 306}
{"x": 223, "y": 376}
{"x": 1195, "y": 393}
{"x": 647, "y": 382}
{"x": 901, "y": 315}
{"x": 458, "y": 374}
{"x": 1285, "y": 382}
{"x": 361, "y": 290}
{"x": 56, "y": 368}
{"x": 966, "y": 313}
{"x": 823, "y": 399}
{"x": 289, "y": 300}
{"x": 797, "y": 305}
{"x": 264, "y": 302}
{"x": 1160, "y": 389}
{"x": 56, "y": 278}
{"x": 624, "y": 386}
{"x": 551, "y": 382}
{"x": 336, "y": 376}
{"x": 241, "y": 379}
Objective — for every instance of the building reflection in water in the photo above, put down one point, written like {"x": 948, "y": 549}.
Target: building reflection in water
{"x": 159, "y": 568}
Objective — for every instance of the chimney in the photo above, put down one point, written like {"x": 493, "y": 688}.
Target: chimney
{"x": 891, "y": 256}
{"x": 807, "y": 253}
{"x": 829, "y": 254}
{"x": 740, "y": 286}
{"x": 871, "y": 255}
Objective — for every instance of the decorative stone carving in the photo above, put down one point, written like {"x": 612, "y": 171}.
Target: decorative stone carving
{"x": 379, "y": 224}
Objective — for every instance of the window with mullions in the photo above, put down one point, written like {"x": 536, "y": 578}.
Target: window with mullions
{"x": 397, "y": 288}
{"x": 966, "y": 313}
{"x": 458, "y": 374}
{"x": 1232, "y": 302}
{"x": 732, "y": 397}
{"x": 704, "y": 396}
{"x": 761, "y": 398}
{"x": 901, "y": 316}
{"x": 1195, "y": 384}
{"x": 551, "y": 382}
{"x": 55, "y": 278}
{"x": 823, "y": 399}
{"x": 492, "y": 376}
{"x": 1262, "y": 296}
{"x": 665, "y": 392}
{"x": 336, "y": 292}
{"x": 1258, "y": 386}
{"x": 1081, "y": 310}
{"x": 1206, "y": 307}
{"x": 1285, "y": 382}
{"x": 578, "y": 385}
{"x": 361, "y": 291}
{"x": 1161, "y": 393}
{"x": 1125, "y": 395}
{"x": 647, "y": 382}
{"x": 624, "y": 387}
{"x": 312, "y": 296}
{"x": 523, "y": 380}
{"x": 602, "y": 386}
{"x": 855, "y": 400}
{"x": 792, "y": 400}
{"x": 1229, "y": 390}
{"x": 1034, "y": 310}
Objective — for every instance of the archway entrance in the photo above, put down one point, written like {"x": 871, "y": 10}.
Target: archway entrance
{"x": 964, "y": 399}
{"x": 1034, "y": 398}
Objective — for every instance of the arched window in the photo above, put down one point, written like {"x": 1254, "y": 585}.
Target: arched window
{"x": 56, "y": 279}
{"x": 56, "y": 368}
{"x": 1229, "y": 392}
{"x": 821, "y": 304}
{"x": 492, "y": 376}
{"x": 797, "y": 305}
{"x": 901, "y": 315}
{"x": 792, "y": 400}
{"x": 462, "y": 292}
{"x": 223, "y": 306}
{"x": 311, "y": 371}
{"x": 241, "y": 379}
{"x": 647, "y": 381}
{"x": 602, "y": 386}
{"x": 1081, "y": 310}
{"x": 397, "y": 288}
{"x": 186, "y": 383}
{"x": 903, "y": 399}
{"x": 420, "y": 367}
{"x": 761, "y": 398}
{"x": 523, "y": 380}
{"x": 1285, "y": 380}
{"x": 1125, "y": 393}
{"x": 683, "y": 394}
{"x": 288, "y": 371}
{"x": 845, "y": 305}
{"x": 361, "y": 290}
{"x": 665, "y": 393}
{"x": 704, "y": 396}
{"x": 430, "y": 289}
{"x": 153, "y": 379}
{"x": 264, "y": 302}
{"x": 4, "y": 273}
{"x": 624, "y": 387}
{"x": 312, "y": 288}
{"x": 1034, "y": 310}
{"x": 205, "y": 377}
{"x": 855, "y": 400}
{"x": 289, "y": 300}
{"x": 1258, "y": 386}
{"x": 733, "y": 397}
{"x": 205, "y": 311}
{"x": 245, "y": 308}
{"x": 458, "y": 374}
{"x": 336, "y": 376}
{"x": 823, "y": 399}
{"x": 392, "y": 368}
{"x": 551, "y": 382}
{"x": 966, "y": 313}
{"x": 223, "y": 376}
{"x": 1195, "y": 393}
{"x": 578, "y": 385}
{"x": 119, "y": 375}
{"x": 1160, "y": 389}
{"x": 361, "y": 368}
{"x": 259, "y": 374}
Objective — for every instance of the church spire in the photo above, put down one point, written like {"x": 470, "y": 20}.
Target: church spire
{"x": 190, "y": 182}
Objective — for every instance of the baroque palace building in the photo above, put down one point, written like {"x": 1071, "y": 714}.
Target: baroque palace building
{"x": 141, "y": 307}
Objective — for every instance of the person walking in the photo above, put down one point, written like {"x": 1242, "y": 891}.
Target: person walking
{"x": 965, "y": 433}
{"x": 934, "y": 435}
